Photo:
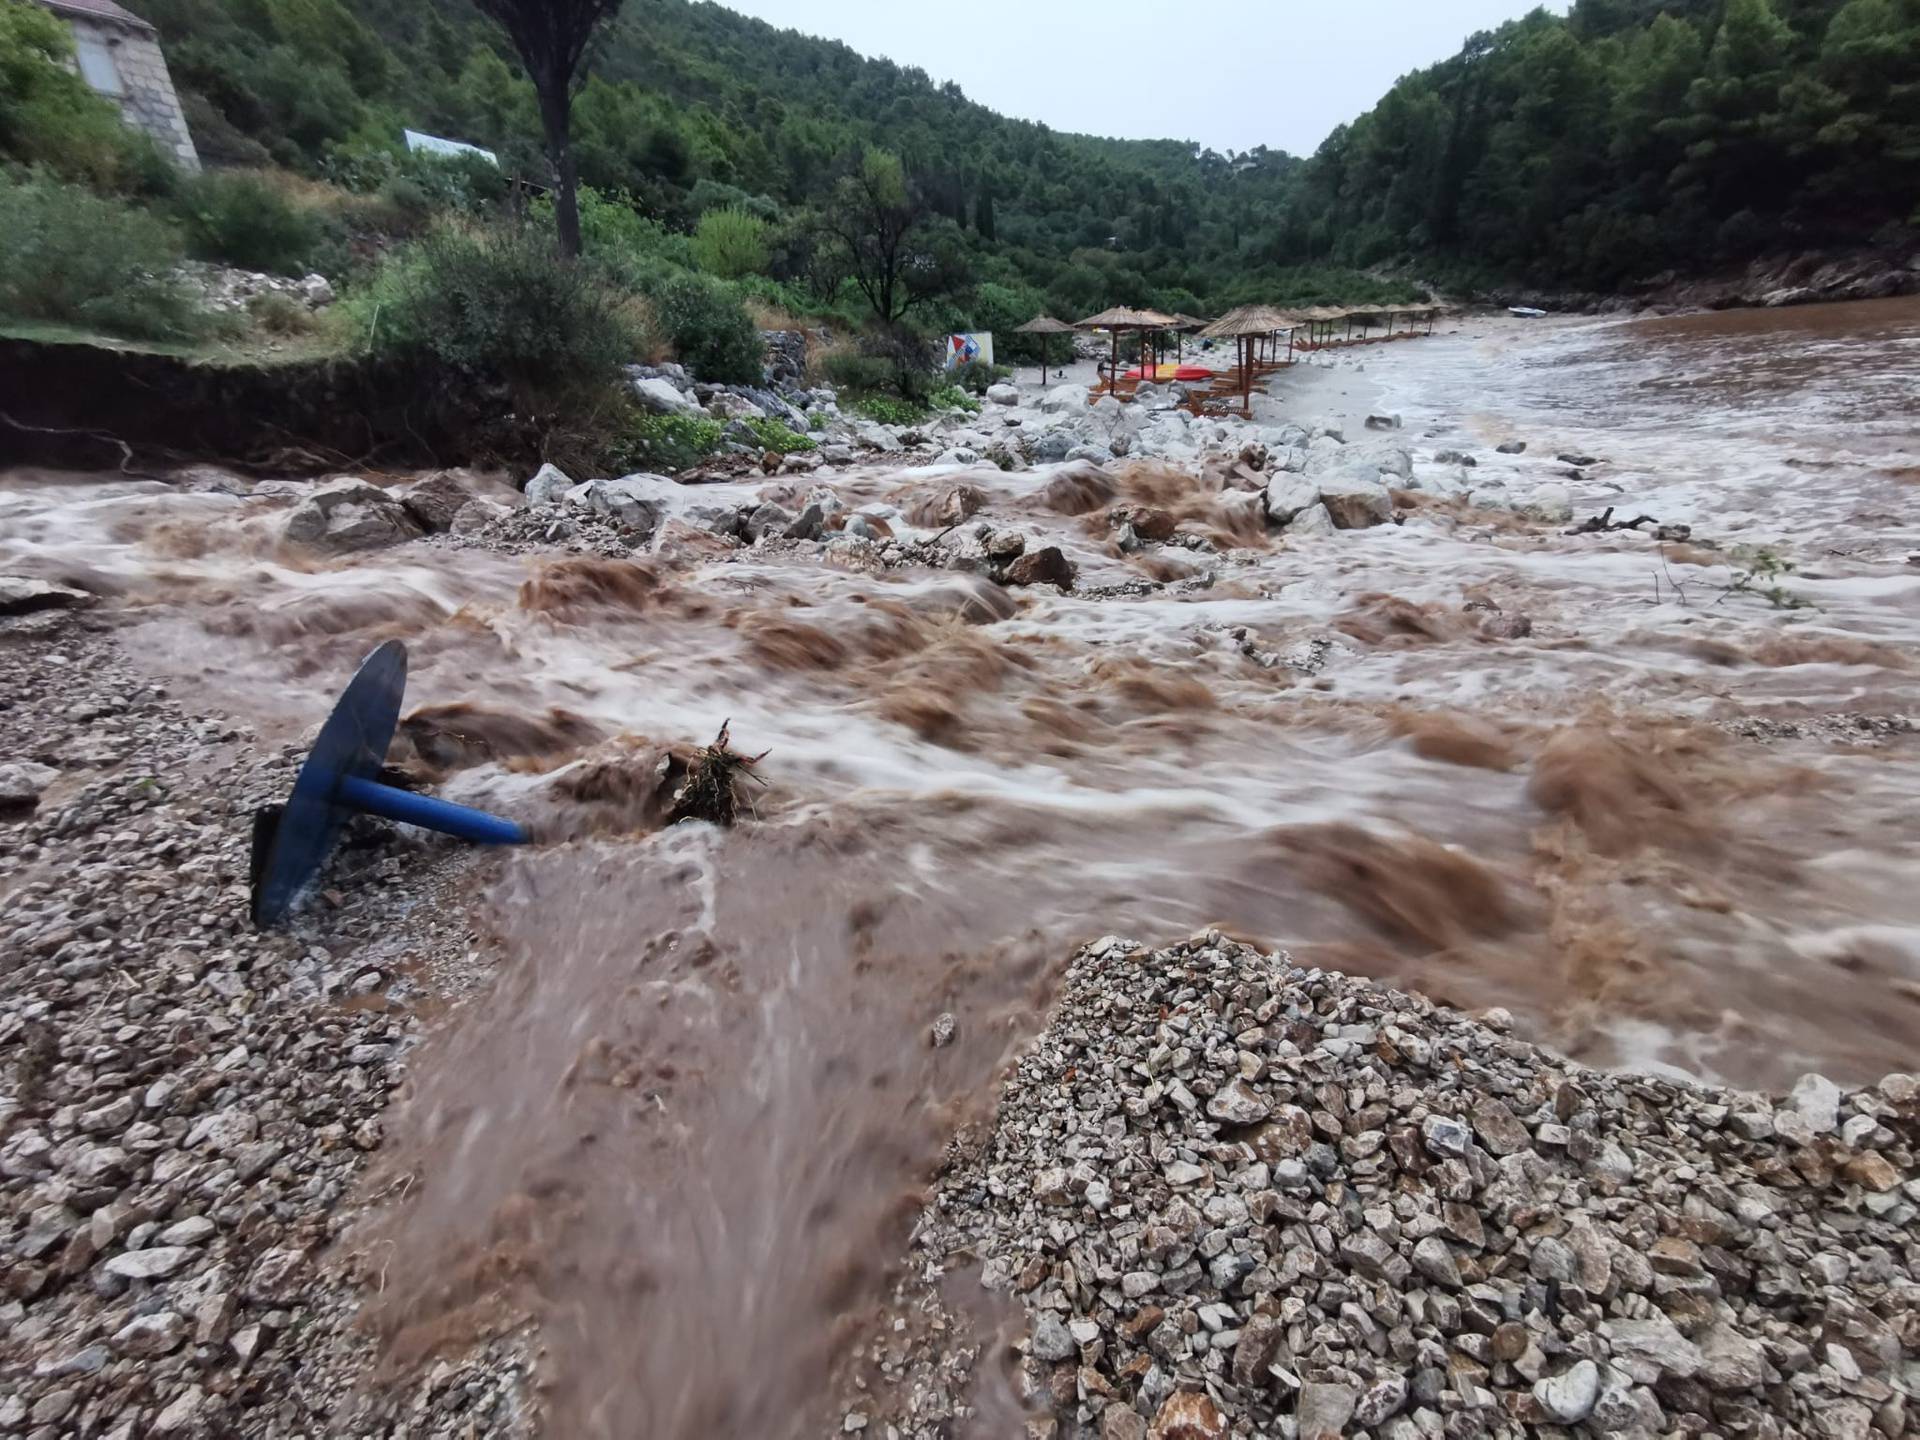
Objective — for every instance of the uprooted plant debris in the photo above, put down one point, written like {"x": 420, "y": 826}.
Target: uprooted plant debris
{"x": 712, "y": 788}
{"x": 1604, "y": 523}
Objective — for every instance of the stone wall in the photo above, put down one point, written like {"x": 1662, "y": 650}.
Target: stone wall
{"x": 147, "y": 99}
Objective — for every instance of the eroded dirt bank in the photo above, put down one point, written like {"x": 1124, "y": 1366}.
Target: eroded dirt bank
{"x": 686, "y": 1119}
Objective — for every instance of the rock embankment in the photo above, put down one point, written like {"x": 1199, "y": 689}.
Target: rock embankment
{"x": 1236, "y": 1197}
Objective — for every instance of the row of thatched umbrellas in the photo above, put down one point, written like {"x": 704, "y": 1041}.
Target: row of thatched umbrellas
{"x": 1254, "y": 329}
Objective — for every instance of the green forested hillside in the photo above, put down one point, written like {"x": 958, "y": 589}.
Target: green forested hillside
{"x": 690, "y": 106}
{"x": 1631, "y": 137}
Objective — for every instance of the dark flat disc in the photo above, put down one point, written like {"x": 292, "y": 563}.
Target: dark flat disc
{"x": 353, "y": 742}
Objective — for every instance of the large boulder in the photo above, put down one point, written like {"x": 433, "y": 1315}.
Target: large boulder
{"x": 1066, "y": 400}
{"x": 728, "y": 406}
{"x": 1397, "y": 463}
{"x": 1552, "y": 502}
{"x": 1312, "y": 521}
{"x": 661, "y": 397}
{"x": 633, "y": 504}
{"x": 1050, "y": 447}
{"x": 21, "y": 783}
{"x": 1003, "y": 394}
{"x": 1093, "y": 454}
{"x": 1355, "y": 502}
{"x": 549, "y": 486}
{"x": 476, "y": 515}
{"x": 1042, "y": 567}
{"x": 1288, "y": 495}
{"x": 350, "y": 515}
{"x": 21, "y": 596}
{"x": 435, "y": 500}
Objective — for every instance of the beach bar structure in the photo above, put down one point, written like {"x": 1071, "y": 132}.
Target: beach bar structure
{"x": 1046, "y": 327}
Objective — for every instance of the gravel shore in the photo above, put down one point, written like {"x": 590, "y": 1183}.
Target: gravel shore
{"x": 1235, "y": 1197}
{"x": 191, "y": 1101}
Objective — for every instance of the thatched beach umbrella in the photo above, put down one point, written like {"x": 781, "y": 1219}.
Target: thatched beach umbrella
{"x": 1246, "y": 327}
{"x": 1046, "y": 327}
{"x": 1121, "y": 318}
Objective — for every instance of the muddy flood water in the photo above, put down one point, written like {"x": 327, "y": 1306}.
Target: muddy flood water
{"x": 1662, "y": 818}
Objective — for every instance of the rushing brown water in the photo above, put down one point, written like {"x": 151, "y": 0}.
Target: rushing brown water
{"x": 1661, "y": 824}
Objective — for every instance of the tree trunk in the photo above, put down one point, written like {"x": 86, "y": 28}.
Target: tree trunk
{"x": 556, "y": 117}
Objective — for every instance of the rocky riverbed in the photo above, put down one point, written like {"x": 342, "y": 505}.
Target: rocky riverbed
{"x": 648, "y": 1120}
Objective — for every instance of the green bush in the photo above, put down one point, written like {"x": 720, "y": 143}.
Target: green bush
{"x": 952, "y": 397}
{"x": 73, "y": 257}
{"x": 849, "y": 370}
{"x": 244, "y": 219}
{"x": 730, "y": 243}
{"x": 975, "y": 377}
{"x": 709, "y": 329}
{"x": 773, "y": 435}
{"x": 665, "y": 443}
{"x": 890, "y": 410}
{"x": 497, "y": 304}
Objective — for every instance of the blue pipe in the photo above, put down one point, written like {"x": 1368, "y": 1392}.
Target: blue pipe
{"x": 459, "y": 821}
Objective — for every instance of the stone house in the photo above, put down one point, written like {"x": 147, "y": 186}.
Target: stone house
{"x": 118, "y": 55}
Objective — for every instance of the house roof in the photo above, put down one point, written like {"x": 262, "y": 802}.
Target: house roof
{"x": 98, "y": 10}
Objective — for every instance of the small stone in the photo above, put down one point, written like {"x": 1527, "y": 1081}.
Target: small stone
{"x": 1433, "y": 1259}
{"x": 179, "y": 1414}
{"x": 944, "y": 1028}
{"x": 1656, "y": 1345}
{"x": 1569, "y": 1399}
{"x": 1237, "y": 1103}
{"x": 1324, "y": 1410}
{"x": 156, "y": 1334}
{"x": 191, "y": 1231}
{"x": 154, "y": 1264}
{"x": 1730, "y": 1360}
{"x": 1497, "y": 1127}
{"x": 1189, "y": 1415}
{"x": 54, "y": 1406}
{"x": 1051, "y": 1339}
{"x": 1873, "y": 1171}
{"x": 1446, "y": 1137}
{"x": 1380, "y": 1401}
{"x": 1816, "y": 1100}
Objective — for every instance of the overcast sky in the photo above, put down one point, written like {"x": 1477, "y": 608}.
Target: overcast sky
{"x": 1231, "y": 74}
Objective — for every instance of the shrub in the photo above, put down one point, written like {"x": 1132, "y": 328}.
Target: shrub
{"x": 773, "y": 435}
{"x": 890, "y": 410}
{"x": 850, "y": 370}
{"x": 244, "y": 219}
{"x": 499, "y": 304}
{"x": 279, "y": 314}
{"x": 730, "y": 243}
{"x": 665, "y": 442}
{"x": 710, "y": 330}
{"x": 76, "y": 258}
{"x": 952, "y": 397}
{"x": 975, "y": 377}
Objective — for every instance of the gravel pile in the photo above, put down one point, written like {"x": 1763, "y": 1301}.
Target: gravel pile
{"x": 188, "y": 1102}
{"x": 1235, "y": 1197}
